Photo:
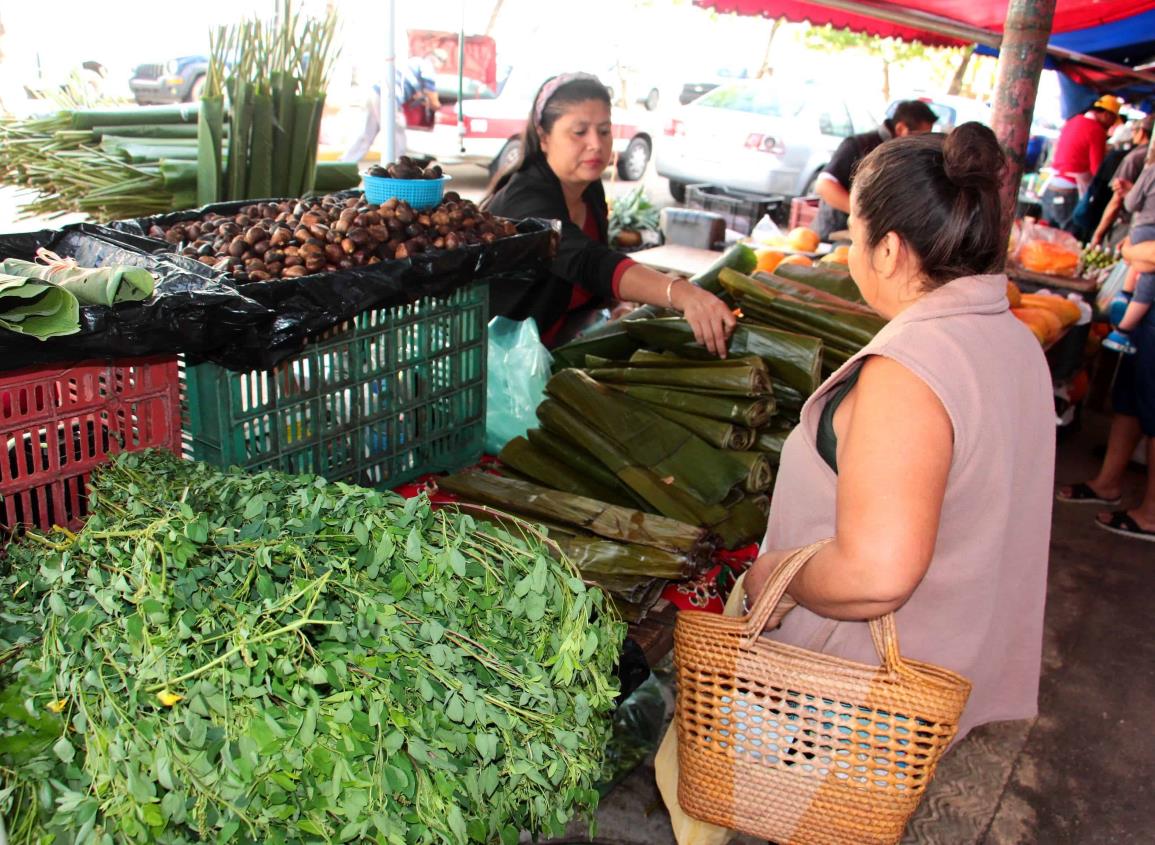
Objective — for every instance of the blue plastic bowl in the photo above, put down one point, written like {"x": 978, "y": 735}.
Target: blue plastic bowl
{"x": 419, "y": 193}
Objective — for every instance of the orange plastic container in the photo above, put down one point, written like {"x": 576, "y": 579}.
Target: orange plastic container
{"x": 60, "y": 423}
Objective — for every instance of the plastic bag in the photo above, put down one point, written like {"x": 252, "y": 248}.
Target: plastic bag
{"x": 519, "y": 367}
{"x": 1042, "y": 249}
{"x": 1112, "y": 285}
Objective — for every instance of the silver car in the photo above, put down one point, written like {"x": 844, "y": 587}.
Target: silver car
{"x": 761, "y": 136}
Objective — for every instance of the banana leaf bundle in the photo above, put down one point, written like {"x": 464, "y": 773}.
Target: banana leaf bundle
{"x": 749, "y": 412}
{"x": 718, "y": 433}
{"x": 91, "y": 286}
{"x": 691, "y": 545}
{"x": 830, "y": 279}
{"x": 740, "y": 377}
{"x": 738, "y": 257}
{"x": 761, "y": 474}
{"x": 808, "y": 293}
{"x": 579, "y": 461}
{"x": 545, "y": 468}
{"x": 833, "y": 324}
{"x": 770, "y": 441}
{"x": 794, "y": 361}
{"x": 36, "y": 308}
{"x": 649, "y": 439}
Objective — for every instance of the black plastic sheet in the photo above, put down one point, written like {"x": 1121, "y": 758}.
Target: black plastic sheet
{"x": 308, "y": 305}
{"x": 190, "y": 311}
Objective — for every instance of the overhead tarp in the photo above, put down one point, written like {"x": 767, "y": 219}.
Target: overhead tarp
{"x": 985, "y": 14}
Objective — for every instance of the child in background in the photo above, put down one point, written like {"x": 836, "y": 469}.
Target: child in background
{"x": 1141, "y": 203}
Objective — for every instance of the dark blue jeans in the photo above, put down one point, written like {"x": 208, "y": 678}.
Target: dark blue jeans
{"x": 1059, "y": 207}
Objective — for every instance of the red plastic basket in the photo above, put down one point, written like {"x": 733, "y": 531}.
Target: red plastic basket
{"x": 58, "y": 424}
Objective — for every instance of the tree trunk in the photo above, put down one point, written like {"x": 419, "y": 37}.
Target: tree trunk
{"x": 493, "y": 17}
{"x": 885, "y": 81}
{"x": 960, "y": 74}
{"x": 765, "y": 69}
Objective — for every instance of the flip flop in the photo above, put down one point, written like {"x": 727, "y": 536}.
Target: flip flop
{"x": 1124, "y": 525}
{"x": 1082, "y": 494}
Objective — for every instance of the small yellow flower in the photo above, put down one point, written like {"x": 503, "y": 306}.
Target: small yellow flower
{"x": 58, "y": 705}
{"x": 168, "y": 699}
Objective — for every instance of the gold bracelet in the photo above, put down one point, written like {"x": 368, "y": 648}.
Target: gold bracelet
{"x": 670, "y": 292}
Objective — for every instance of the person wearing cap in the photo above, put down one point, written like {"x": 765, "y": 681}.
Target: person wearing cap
{"x": 566, "y": 145}
{"x": 911, "y": 117}
{"x": 1116, "y": 219}
{"x": 417, "y": 100}
{"x": 1078, "y": 154}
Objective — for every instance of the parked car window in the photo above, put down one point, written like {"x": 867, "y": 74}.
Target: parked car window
{"x": 752, "y": 99}
{"x": 834, "y": 120}
{"x": 861, "y": 118}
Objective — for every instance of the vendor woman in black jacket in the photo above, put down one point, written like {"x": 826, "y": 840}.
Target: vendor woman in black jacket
{"x": 566, "y": 145}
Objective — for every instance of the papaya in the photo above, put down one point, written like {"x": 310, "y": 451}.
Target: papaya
{"x": 1047, "y": 257}
{"x": 1045, "y": 324}
{"x": 769, "y": 259}
{"x": 1064, "y": 309}
{"x": 801, "y": 260}
{"x": 1014, "y": 295}
{"x": 803, "y": 239}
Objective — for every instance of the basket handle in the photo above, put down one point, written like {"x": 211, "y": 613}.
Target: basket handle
{"x": 882, "y": 629}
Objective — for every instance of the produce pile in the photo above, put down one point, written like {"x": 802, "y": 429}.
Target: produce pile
{"x": 266, "y": 658}
{"x": 289, "y": 239}
{"x": 405, "y": 168}
{"x": 1045, "y": 314}
{"x": 130, "y": 162}
{"x": 116, "y": 163}
{"x": 640, "y": 420}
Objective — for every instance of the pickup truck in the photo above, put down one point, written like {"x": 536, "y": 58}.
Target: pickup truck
{"x": 179, "y": 80}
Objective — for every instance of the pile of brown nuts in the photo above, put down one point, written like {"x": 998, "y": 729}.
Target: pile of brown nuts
{"x": 295, "y": 238}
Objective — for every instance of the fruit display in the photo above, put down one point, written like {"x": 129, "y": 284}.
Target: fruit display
{"x": 800, "y": 260}
{"x": 1046, "y": 315}
{"x": 405, "y": 168}
{"x": 1096, "y": 258}
{"x": 803, "y": 239}
{"x": 839, "y": 255}
{"x": 1056, "y": 259}
{"x": 293, "y": 238}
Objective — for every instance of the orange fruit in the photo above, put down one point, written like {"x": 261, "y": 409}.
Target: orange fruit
{"x": 803, "y": 239}
{"x": 768, "y": 259}
{"x": 803, "y": 260}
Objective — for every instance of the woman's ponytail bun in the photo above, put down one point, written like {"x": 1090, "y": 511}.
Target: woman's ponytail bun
{"x": 972, "y": 157}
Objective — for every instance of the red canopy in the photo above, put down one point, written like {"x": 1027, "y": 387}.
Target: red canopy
{"x": 984, "y": 14}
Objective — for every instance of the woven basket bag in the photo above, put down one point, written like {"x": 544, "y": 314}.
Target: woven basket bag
{"x": 800, "y": 747}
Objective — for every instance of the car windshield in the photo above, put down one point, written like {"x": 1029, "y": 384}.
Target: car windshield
{"x": 755, "y": 99}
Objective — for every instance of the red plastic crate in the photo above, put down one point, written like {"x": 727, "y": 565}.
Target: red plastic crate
{"x": 803, "y": 210}
{"x": 58, "y": 424}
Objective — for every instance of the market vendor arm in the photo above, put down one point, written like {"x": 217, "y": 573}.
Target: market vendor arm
{"x": 1110, "y": 213}
{"x": 707, "y": 315}
{"x": 833, "y": 193}
{"x": 893, "y": 463}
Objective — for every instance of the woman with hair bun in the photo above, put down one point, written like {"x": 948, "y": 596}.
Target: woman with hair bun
{"x": 566, "y": 145}
{"x": 929, "y": 456}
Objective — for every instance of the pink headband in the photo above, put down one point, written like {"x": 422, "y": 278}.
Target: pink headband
{"x": 550, "y": 88}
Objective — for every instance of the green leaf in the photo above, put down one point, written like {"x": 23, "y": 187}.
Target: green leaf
{"x": 457, "y": 562}
{"x": 413, "y": 544}
{"x": 361, "y": 533}
{"x": 457, "y": 823}
{"x": 454, "y": 709}
{"x": 152, "y": 815}
{"x": 64, "y": 750}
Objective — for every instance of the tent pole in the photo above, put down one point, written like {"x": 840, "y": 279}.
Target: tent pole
{"x": 1024, "y": 50}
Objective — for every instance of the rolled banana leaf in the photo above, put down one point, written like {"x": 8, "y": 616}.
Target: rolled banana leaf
{"x": 751, "y": 413}
{"x": 581, "y": 462}
{"x": 546, "y": 469}
{"x": 37, "y": 309}
{"x": 772, "y": 314}
{"x": 649, "y": 439}
{"x": 793, "y": 360}
{"x": 732, "y": 381}
{"x": 597, "y": 558}
{"x": 761, "y": 473}
{"x": 830, "y": 279}
{"x": 718, "y": 433}
{"x": 745, "y": 523}
{"x": 622, "y": 525}
{"x": 98, "y": 286}
{"x": 860, "y": 327}
{"x": 770, "y": 441}
{"x": 660, "y": 494}
{"x": 610, "y": 341}
{"x": 635, "y": 589}
{"x": 803, "y": 291}
{"x": 738, "y": 257}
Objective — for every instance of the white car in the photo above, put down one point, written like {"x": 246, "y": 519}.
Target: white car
{"x": 761, "y": 136}
{"x": 490, "y": 133}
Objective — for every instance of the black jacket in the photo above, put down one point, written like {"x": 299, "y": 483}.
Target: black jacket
{"x": 536, "y": 192}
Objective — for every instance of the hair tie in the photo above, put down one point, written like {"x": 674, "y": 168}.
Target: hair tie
{"x": 550, "y": 88}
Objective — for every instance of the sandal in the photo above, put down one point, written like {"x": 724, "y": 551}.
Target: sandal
{"x": 1082, "y": 494}
{"x": 1123, "y": 524}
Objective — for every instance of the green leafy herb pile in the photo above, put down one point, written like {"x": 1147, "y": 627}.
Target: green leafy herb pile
{"x": 232, "y": 658}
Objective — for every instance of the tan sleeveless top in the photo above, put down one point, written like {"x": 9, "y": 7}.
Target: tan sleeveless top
{"x": 979, "y": 609}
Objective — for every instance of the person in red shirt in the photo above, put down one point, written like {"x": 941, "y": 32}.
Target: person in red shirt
{"x": 1078, "y": 154}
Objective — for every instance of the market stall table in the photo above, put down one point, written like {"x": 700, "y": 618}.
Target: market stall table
{"x": 1086, "y": 288}
{"x": 675, "y": 258}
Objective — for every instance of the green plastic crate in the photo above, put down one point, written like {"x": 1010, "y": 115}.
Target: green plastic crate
{"x": 391, "y": 395}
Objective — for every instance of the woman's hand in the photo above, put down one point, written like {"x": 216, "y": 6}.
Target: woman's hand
{"x": 708, "y": 316}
